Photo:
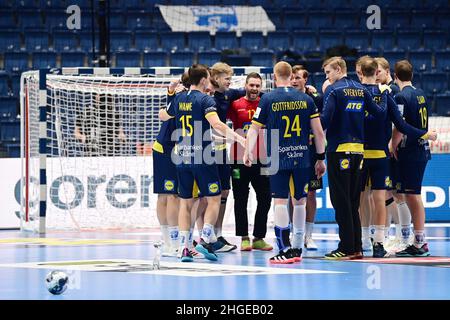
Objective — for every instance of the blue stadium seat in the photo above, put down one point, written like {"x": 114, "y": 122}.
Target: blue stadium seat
{"x": 434, "y": 39}
{"x": 8, "y": 108}
{"x": 9, "y": 40}
{"x": 155, "y": 59}
{"x": 278, "y": 40}
{"x": 16, "y": 61}
{"x": 135, "y": 4}
{"x": 72, "y": 59}
{"x": 7, "y": 19}
{"x": 423, "y": 19}
{"x": 30, "y": 19}
{"x": 262, "y": 58}
{"x": 421, "y": 60}
{"x": 145, "y": 40}
{"x": 158, "y": 22}
{"x": 330, "y": 39}
{"x": 86, "y": 41}
{"x": 442, "y": 59}
{"x": 200, "y": 40}
{"x": 120, "y": 41}
{"x": 304, "y": 40}
{"x": 182, "y": 58}
{"x": 264, "y": 3}
{"x": 15, "y": 84}
{"x": 226, "y": 40}
{"x": 56, "y": 19}
{"x": 382, "y": 39}
{"x": 319, "y": 19}
{"x": 172, "y": 40}
{"x": 128, "y": 59}
{"x": 10, "y": 130}
{"x": 139, "y": 19}
{"x": 393, "y": 56}
{"x": 409, "y": 39}
{"x": 116, "y": 19}
{"x": 344, "y": 19}
{"x": 209, "y": 57}
{"x": 36, "y": 40}
{"x": 443, "y": 19}
{"x": 42, "y": 60}
{"x": 443, "y": 104}
{"x": 397, "y": 19}
{"x": 275, "y": 15}
{"x": 13, "y": 149}
{"x": 318, "y": 78}
{"x": 180, "y": 2}
{"x": 65, "y": 41}
{"x": 357, "y": 39}
{"x": 433, "y": 83}
{"x": 252, "y": 40}
{"x": 4, "y": 84}
{"x": 295, "y": 20}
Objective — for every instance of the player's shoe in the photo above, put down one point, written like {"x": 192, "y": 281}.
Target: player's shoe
{"x": 195, "y": 254}
{"x": 297, "y": 254}
{"x": 413, "y": 251}
{"x": 169, "y": 251}
{"x": 357, "y": 256}
{"x": 246, "y": 245}
{"x": 366, "y": 244}
{"x": 337, "y": 255}
{"x": 186, "y": 256}
{"x": 379, "y": 251}
{"x": 283, "y": 258}
{"x": 310, "y": 245}
{"x": 207, "y": 250}
{"x": 260, "y": 244}
{"x": 222, "y": 245}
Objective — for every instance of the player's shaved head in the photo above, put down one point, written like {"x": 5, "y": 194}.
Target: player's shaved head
{"x": 283, "y": 70}
{"x": 369, "y": 67}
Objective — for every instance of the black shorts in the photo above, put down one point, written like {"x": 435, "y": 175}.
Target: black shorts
{"x": 165, "y": 179}
{"x": 410, "y": 176}
{"x": 375, "y": 173}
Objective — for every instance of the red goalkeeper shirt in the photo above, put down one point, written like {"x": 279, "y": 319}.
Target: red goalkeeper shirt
{"x": 241, "y": 114}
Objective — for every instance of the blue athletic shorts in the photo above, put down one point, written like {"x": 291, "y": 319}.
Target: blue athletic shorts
{"x": 410, "y": 176}
{"x": 202, "y": 178}
{"x": 375, "y": 174}
{"x": 165, "y": 180}
{"x": 294, "y": 182}
{"x": 225, "y": 176}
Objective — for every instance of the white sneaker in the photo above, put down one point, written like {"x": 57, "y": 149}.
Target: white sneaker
{"x": 170, "y": 252}
{"x": 310, "y": 244}
{"x": 366, "y": 244}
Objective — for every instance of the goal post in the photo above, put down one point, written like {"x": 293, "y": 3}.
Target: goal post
{"x": 86, "y": 145}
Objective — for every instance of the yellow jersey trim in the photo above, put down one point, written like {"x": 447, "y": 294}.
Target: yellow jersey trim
{"x": 350, "y": 147}
{"x": 374, "y": 154}
{"x": 221, "y": 146}
{"x": 158, "y": 147}
{"x": 257, "y": 123}
{"x": 315, "y": 115}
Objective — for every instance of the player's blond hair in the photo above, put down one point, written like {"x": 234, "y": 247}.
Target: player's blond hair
{"x": 221, "y": 68}
{"x": 383, "y": 63}
{"x": 283, "y": 70}
{"x": 334, "y": 62}
{"x": 369, "y": 67}
{"x": 360, "y": 60}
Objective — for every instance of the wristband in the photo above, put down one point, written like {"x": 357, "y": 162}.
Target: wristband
{"x": 320, "y": 156}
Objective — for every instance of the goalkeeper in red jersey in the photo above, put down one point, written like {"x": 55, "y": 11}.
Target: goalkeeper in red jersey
{"x": 241, "y": 114}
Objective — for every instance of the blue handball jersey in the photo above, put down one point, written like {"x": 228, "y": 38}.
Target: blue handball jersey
{"x": 164, "y": 138}
{"x": 224, "y": 100}
{"x": 286, "y": 113}
{"x": 377, "y": 132}
{"x": 344, "y": 106}
{"x": 412, "y": 102}
{"x": 191, "y": 110}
